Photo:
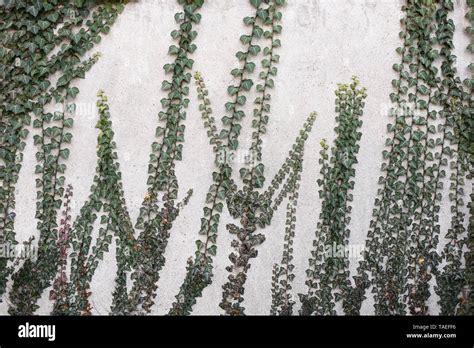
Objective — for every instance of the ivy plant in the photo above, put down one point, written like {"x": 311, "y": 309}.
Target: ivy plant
{"x": 41, "y": 40}
{"x": 59, "y": 294}
{"x": 401, "y": 255}
{"x": 328, "y": 272}
{"x": 467, "y": 299}
{"x": 45, "y": 46}
{"x": 253, "y": 208}
{"x": 455, "y": 281}
{"x": 283, "y": 276}
{"x": 450, "y": 279}
{"x": 155, "y": 220}
{"x": 106, "y": 204}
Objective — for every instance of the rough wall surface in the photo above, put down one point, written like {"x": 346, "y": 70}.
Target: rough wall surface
{"x": 324, "y": 42}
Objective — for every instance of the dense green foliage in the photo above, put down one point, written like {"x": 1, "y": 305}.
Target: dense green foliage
{"x": 401, "y": 250}
{"x": 45, "y": 46}
{"x": 156, "y": 219}
{"x": 40, "y": 40}
{"x": 328, "y": 273}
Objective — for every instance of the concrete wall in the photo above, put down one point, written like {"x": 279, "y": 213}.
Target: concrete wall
{"x": 325, "y": 42}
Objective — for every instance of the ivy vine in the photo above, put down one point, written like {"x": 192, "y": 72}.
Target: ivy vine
{"x": 59, "y": 294}
{"x": 467, "y": 302}
{"x": 155, "y": 222}
{"x": 106, "y": 201}
{"x": 45, "y": 46}
{"x": 254, "y": 209}
{"x": 401, "y": 250}
{"x": 328, "y": 274}
{"x": 31, "y": 31}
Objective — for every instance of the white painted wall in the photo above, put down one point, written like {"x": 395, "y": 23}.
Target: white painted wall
{"x": 324, "y": 42}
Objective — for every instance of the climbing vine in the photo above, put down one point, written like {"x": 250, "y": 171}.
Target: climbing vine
{"x": 199, "y": 269}
{"x": 106, "y": 201}
{"x": 385, "y": 257}
{"x": 401, "y": 250}
{"x": 59, "y": 292}
{"x": 283, "y": 276}
{"x": 466, "y": 146}
{"x": 254, "y": 209}
{"x": 450, "y": 279}
{"x": 328, "y": 274}
{"x": 31, "y": 32}
{"x": 155, "y": 222}
{"x": 45, "y": 47}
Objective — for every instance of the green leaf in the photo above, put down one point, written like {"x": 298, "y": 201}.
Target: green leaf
{"x": 64, "y": 153}
{"x": 166, "y": 86}
{"x": 259, "y": 169}
{"x": 232, "y": 90}
{"x": 254, "y": 49}
{"x": 72, "y": 92}
{"x": 241, "y": 100}
{"x": 256, "y": 3}
{"x": 63, "y": 80}
{"x": 173, "y": 50}
{"x": 247, "y": 84}
{"x": 33, "y": 10}
{"x": 68, "y": 123}
{"x": 245, "y": 39}
{"x": 212, "y": 250}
